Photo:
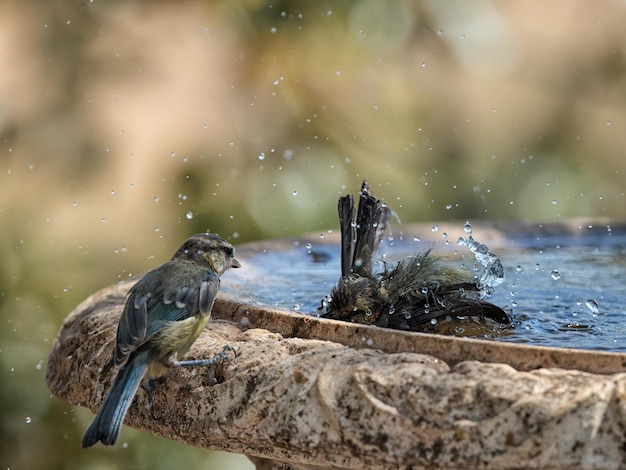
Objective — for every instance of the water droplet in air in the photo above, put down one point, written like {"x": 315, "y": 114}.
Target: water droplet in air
{"x": 308, "y": 246}
{"x": 28, "y": 420}
{"x": 468, "y": 228}
{"x": 189, "y": 215}
{"x": 295, "y": 193}
{"x": 555, "y": 275}
{"x": 435, "y": 228}
{"x": 262, "y": 156}
{"x": 593, "y": 306}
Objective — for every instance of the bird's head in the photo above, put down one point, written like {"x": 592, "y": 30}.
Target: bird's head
{"x": 208, "y": 250}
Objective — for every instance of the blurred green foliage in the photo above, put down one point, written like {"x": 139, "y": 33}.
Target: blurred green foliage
{"x": 128, "y": 126}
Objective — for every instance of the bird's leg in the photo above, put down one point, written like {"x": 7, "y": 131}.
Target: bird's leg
{"x": 220, "y": 358}
{"x": 149, "y": 387}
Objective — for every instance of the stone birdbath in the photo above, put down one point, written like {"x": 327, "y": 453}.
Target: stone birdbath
{"x": 309, "y": 393}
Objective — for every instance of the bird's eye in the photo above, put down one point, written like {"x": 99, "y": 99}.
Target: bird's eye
{"x": 229, "y": 250}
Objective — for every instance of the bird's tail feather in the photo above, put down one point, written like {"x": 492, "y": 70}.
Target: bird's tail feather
{"x": 108, "y": 422}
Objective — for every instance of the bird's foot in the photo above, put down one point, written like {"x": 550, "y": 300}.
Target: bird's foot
{"x": 221, "y": 359}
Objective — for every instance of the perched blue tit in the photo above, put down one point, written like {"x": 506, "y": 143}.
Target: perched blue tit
{"x": 421, "y": 293}
{"x": 165, "y": 312}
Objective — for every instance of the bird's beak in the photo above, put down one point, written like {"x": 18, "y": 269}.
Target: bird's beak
{"x": 234, "y": 263}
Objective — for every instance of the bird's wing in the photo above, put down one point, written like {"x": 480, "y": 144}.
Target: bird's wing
{"x": 131, "y": 330}
{"x": 347, "y": 222}
{"x": 144, "y": 316}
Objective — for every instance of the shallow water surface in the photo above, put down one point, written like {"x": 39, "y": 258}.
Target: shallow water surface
{"x": 566, "y": 294}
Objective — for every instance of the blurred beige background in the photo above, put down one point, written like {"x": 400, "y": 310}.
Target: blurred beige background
{"x": 127, "y": 126}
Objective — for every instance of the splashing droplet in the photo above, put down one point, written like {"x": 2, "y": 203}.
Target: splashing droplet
{"x": 593, "y": 306}
{"x": 555, "y": 274}
{"x": 492, "y": 274}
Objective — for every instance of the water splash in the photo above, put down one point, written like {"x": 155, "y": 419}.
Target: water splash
{"x": 325, "y": 307}
{"x": 593, "y": 306}
{"x": 492, "y": 274}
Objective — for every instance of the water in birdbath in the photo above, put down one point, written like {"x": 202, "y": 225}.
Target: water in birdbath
{"x": 561, "y": 290}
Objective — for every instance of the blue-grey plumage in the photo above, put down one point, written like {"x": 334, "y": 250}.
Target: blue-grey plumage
{"x": 164, "y": 314}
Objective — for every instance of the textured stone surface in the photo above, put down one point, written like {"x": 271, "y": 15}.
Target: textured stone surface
{"x": 312, "y": 403}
